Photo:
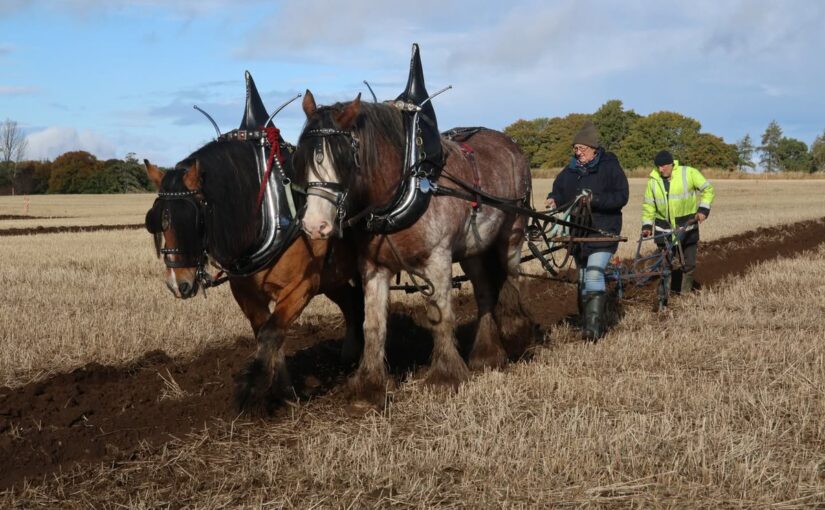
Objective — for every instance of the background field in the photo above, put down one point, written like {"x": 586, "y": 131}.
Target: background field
{"x": 720, "y": 404}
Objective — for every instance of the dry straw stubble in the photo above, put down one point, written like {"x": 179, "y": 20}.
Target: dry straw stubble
{"x": 718, "y": 405}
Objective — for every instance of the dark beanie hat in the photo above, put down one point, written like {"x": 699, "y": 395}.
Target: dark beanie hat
{"x": 587, "y": 135}
{"x": 663, "y": 158}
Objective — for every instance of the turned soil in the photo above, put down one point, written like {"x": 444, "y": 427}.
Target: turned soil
{"x": 103, "y": 413}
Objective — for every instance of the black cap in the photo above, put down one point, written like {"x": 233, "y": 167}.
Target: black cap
{"x": 663, "y": 158}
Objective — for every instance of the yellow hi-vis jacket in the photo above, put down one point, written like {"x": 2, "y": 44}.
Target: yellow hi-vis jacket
{"x": 677, "y": 205}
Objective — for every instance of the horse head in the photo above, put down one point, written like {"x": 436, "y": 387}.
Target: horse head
{"x": 176, "y": 220}
{"x": 327, "y": 157}
{"x": 205, "y": 205}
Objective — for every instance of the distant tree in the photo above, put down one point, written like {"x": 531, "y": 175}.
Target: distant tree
{"x": 528, "y": 134}
{"x": 770, "y": 147}
{"x": 7, "y": 172}
{"x": 661, "y": 130}
{"x": 123, "y": 176}
{"x": 23, "y": 180}
{"x": 705, "y": 150}
{"x": 793, "y": 155}
{"x": 744, "y": 153}
{"x": 71, "y": 171}
{"x": 42, "y": 170}
{"x": 13, "y": 146}
{"x": 558, "y": 134}
{"x": 614, "y": 123}
{"x": 818, "y": 153}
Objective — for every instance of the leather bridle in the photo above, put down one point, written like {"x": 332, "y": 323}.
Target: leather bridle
{"x": 198, "y": 262}
{"x": 333, "y": 192}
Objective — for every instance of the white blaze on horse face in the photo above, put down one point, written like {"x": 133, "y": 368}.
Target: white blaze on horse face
{"x": 181, "y": 281}
{"x": 320, "y": 215}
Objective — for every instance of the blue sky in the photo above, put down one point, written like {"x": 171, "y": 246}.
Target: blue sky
{"x": 116, "y": 77}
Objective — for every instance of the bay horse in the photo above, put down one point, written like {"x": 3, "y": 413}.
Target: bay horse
{"x": 353, "y": 153}
{"x": 206, "y": 205}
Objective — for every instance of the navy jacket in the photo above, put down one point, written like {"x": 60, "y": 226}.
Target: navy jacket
{"x": 607, "y": 181}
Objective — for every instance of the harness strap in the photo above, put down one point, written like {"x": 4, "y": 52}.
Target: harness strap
{"x": 272, "y": 136}
{"x": 470, "y": 155}
{"x": 427, "y": 289}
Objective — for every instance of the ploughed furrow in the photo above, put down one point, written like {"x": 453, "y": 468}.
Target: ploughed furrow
{"x": 102, "y": 413}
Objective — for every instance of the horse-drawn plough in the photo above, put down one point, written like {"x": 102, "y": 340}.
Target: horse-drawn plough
{"x": 371, "y": 190}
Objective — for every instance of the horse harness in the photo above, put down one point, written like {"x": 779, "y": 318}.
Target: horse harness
{"x": 275, "y": 200}
{"x": 195, "y": 199}
{"x": 330, "y": 191}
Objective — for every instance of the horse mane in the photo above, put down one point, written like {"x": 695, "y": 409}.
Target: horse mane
{"x": 229, "y": 183}
{"x": 375, "y": 124}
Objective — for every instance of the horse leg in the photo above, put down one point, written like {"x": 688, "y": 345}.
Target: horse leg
{"x": 487, "y": 350}
{"x": 265, "y": 379}
{"x": 370, "y": 379}
{"x": 254, "y": 303}
{"x": 447, "y": 367}
{"x": 514, "y": 322}
{"x": 350, "y": 299}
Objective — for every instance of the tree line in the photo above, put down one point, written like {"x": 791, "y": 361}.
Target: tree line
{"x": 74, "y": 172}
{"x": 636, "y": 139}
{"x": 71, "y": 172}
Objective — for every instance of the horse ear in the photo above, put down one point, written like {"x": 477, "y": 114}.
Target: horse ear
{"x": 309, "y": 104}
{"x": 349, "y": 113}
{"x": 192, "y": 177}
{"x": 154, "y": 174}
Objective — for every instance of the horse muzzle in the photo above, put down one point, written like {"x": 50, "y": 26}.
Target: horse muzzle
{"x": 182, "y": 288}
{"x": 318, "y": 230}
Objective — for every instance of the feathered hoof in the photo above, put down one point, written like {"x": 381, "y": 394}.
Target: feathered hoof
{"x": 492, "y": 357}
{"x": 258, "y": 392}
{"x": 450, "y": 379}
{"x": 368, "y": 392}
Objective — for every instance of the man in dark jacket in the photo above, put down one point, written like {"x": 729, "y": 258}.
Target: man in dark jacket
{"x": 598, "y": 174}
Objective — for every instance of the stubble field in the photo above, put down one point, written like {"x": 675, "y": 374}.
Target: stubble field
{"x": 718, "y": 404}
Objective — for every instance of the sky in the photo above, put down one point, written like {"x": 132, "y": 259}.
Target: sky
{"x": 117, "y": 77}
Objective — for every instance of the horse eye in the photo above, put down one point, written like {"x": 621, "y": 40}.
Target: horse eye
{"x": 165, "y": 220}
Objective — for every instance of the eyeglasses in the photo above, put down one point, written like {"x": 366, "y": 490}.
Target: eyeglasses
{"x": 581, "y": 148}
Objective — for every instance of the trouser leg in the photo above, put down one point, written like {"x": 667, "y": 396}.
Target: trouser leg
{"x": 689, "y": 266}
{"x": 594, "y": 296}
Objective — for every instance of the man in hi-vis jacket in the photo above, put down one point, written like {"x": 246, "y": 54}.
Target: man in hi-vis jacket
{"x": 671, "y": 201}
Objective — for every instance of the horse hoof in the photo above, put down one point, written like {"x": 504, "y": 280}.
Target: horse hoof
{"x": 493, "y": 360}
{"x": 372, "y": 390}
{"x": 359, "y": 408}
{"x": 450, "y": 381}
{"x": 258, "y": 392}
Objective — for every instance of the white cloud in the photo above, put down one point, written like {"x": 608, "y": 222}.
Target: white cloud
{"x": 187, "y": 9}
{"x": 17, "y": 91}
{"x": 54, "y": 141}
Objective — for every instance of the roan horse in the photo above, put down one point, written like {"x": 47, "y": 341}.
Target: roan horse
{"x": 354, "y": 152}
{"x": 207, "y": 206}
